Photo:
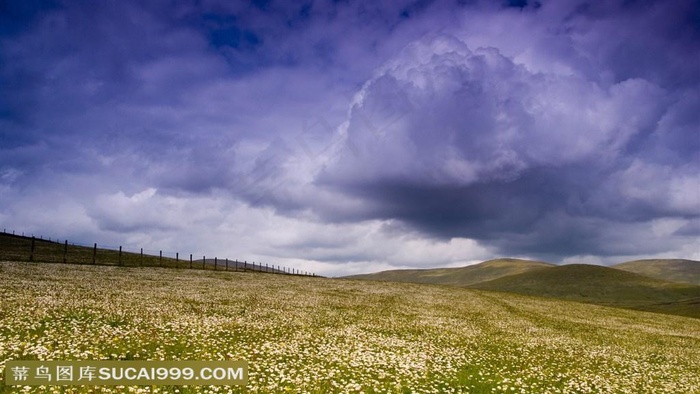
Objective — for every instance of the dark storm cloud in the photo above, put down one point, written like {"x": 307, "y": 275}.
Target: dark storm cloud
{"x": 652, "y": 40}
{"x": 105, "y": 101}
{"x": 84, "y": 83}
{"x": 151, "y": 85}
{"x": 545, "y": 160}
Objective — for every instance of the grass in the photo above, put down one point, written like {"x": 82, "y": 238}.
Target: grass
{"x": 604, "y": 286}
{"x": 19, "y": 248}
{"x": 317, "y": 335}
{"x": 462, "y": 276}
{"x": 641, "y": 285}
{"x": 674, "y": 270}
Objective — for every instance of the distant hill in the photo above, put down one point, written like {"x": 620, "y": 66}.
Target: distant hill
{"x": 603, "y": 286}
{"x": 674, "y": 270}
{"x": 462, "y": 276}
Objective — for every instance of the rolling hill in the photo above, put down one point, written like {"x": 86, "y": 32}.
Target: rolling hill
{"x": 462, "y": 276}
{"x": 603, "y": 286}
{"x": 674, "y": 270}
{"x": 642, "y": 284}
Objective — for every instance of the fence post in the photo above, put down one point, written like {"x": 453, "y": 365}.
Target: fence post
{"x": 141, "y": 259}
{"x": 65, "y": 251}
{"x": 267, "y": 268}
{"x": 245, "y": 263}
{"x": 120, "y": 255}
{"x": 204, "y": 260}
{"x": 94, "y": 254}
{"x": 160, "y": 259}
{"x": 215, "y": 263}
{"x": 227, "y": 264}
{"x": 190, "y": 260}
{"x": 236, "y": 265}
{"x": 177, "y": 259}
{"x": 31, "y": 252}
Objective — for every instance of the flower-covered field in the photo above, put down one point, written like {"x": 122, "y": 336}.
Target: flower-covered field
{"x": 314, "y": 335}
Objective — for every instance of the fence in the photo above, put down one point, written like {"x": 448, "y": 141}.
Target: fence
{"x": 15, "y": 247}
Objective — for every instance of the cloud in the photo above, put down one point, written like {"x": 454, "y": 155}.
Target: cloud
{"x": 144, "y": 211}
{"x": 453, "y": 115}
{"x": 470, "y": 142}
{"x": 347, "y": 136}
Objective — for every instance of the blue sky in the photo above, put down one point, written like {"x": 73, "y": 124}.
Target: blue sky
{"x": 343, "y": 137}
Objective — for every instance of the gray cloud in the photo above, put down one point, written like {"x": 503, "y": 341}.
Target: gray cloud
{"x": 469, "y": 142}
{"x": 459, "y": 130}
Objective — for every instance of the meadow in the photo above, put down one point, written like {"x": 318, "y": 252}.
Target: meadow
{"x": 318, "y": 335}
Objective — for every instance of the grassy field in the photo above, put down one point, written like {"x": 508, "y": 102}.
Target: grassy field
{"x": 603, "y": 286}
{"x": 316, "y": 335}
{"x": 643, "y": 285}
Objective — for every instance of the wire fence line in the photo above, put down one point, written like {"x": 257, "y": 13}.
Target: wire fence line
{"x": 21, "y": 247}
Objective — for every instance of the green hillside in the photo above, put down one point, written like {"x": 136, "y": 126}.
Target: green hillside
{"x": 462, "y": 276}
{"x": 603, "y": 286}
{"x": 674, "y": 270}
{"x": 315, "y": 335}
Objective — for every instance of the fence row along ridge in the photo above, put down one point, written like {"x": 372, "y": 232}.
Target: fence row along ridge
{"x": 37, "y": 249}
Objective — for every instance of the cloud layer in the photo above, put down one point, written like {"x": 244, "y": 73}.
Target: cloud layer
{"x": 463, "y": 143}
{"x": 347, "y": 137}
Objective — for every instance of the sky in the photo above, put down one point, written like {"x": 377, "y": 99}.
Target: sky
{"x": 344, "y": 137}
